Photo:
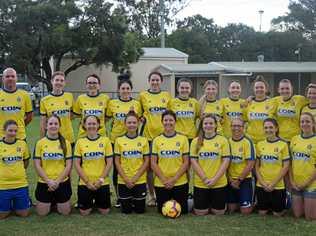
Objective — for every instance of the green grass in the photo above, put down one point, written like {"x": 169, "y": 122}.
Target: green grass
{"x": 150, "y": 223}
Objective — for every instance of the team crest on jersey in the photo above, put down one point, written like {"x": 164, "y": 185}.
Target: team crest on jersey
{"x": 276, "y": 150}
{"x": 85, "y": 104}
{"x": 190, "y": 104}
{"x": 117, "y": 107}
{"x": 66, "y": 103}
{"x": 241, "y": 149}
{"x": 217, "y": 108}
{"x": 216, "y": 145}
{"x": 101, "y": 104}
{"x": 101, "y": 145}
{"x": 4, "y": 150}
{"x": 309, "y": 146}
{"x": 18, "y": 149}
{"x": 242, "y": 106}
{"x": 178, "y": 144}
{"x": 163, "y": 100}
{"x": 139, "y": 144}
{"x": 2, "y": 100}
{"x": 18, "y": 99}
{"x": 267, "y": 107}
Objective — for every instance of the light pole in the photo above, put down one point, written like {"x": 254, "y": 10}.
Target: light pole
{"x": 260, "y": 15}
{"x": 162, "y": 23}
{"x": 299, "y": 59}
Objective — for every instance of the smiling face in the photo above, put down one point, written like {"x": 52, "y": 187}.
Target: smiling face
{"x": 209, "y": 125}
{"x": 9, "y": 79}
{"x": 184, "y": 89}
{"x": 53, "y": 126}
{"x": 125, "y": 90}
{"x": 234, "y": 90}
{"x": 11, "y": 131}
{"x": 311, "y": 94}
{"x": 91, "y": 125}
{"x": 237, "y": 127}
{"x": 210, "y": 91}
{"x": 169, "y": 123}
{"x": 131, "y": 123}
{"x": 307, "y": 124}
{"x": 92, "y": 84}
{"x": 270, "y": 129}
{"x": 155, "y": 82}
{"x": 58, "y": 83}
{"x": 285, "y": 90}
{"x": 260, "y": 89}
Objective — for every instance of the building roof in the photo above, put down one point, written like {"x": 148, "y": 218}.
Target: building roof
{"x": 163, "y": 53}
{"x": 187, "y": 69}
{"x": 266, "y": 67}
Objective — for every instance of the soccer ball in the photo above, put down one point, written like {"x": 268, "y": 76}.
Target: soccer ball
{"x": 171, "y": 209}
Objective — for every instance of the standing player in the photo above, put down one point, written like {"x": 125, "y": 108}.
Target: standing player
{"x": 210, "y": 157}
{"x": 287, "y": 110}
{"x": 14, "y": 159}
{"x": 233, "y": 107}
{"x": 303, "y": 169}
{"x": 186, "y": 109}
{"x": 117, "y": 110}
{"x": 15, "y": 104}
{"x": 273, "y": 160}
{"x": 53, "y": 161}
{"x": 311, "y": 96}
{"x": 169, "y": 161}
{"x": 240, "y": 190}
{"x": 92, "y": 103}
{"x": 94, "y": 160}
{"x": 58, "y": 103}
{"x": 259, "y": 109}
{"x": 210, "y": 105}
{"x": 154, "y": 102}
{"x": 132, "y": 161}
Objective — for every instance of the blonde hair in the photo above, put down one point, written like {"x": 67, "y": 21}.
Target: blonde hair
{"x": 260, "y": 78}
{"x": 203, "y": 100}
{"x": 312, "y": 118}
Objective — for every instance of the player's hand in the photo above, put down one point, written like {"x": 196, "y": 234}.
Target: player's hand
{"x": 97, "y": 184}
{"x": 269, "y": 187}
{"x": 129, "y": 183}
{"x": 51, "y": 185}
{"x": 91, "y": 186}
{"x": 170, "y": 183}
{"x": 235, "y": 183}
{"x": 210, "y": 182}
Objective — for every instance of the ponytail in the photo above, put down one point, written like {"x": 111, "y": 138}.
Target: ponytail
{"x": 62, "y": 143}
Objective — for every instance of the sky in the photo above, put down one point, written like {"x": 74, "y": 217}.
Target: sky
{"x": 237, "y": 11}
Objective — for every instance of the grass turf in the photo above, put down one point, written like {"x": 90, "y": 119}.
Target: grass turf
{"x": 150, "y": 223}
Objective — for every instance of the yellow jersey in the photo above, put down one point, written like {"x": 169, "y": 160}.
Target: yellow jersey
{"x": 91, "y": 105}
{"x": 14, "y": 106}
{"x": 242, "y": 150}
{"x": 117, "y": 109}
{"x": 287, "y": 114}
{"x": 187, "y": 111}
{"x": 60, "y": 105}
{"x": 52, "y": 157}
{"x": 215, "y": 108}
{"x": 169, "y": 150}
{"x": 303, "y": 150}
{"x": 232, "y": 109}
{"x": 309, "y": 109}
{"x": 153, "y": 104}
{"x": 132, "y": 152}
{"x": 93, "y": 154}
{"x": 210, "y": 157}
{"x": 271, "y": 156}
{"x": 255, "y": 113}
{"x": 12, "y": 172}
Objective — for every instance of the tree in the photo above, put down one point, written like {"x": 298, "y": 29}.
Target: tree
{"x": 94, "y": 32}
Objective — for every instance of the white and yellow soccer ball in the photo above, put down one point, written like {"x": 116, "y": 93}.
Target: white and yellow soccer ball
{"x": 171, "y": 209}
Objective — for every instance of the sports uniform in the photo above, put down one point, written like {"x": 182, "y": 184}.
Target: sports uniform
{"x": 215, "y": 108}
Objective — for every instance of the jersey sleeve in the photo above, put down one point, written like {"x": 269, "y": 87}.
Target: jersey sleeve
{"x": 108, "y": 149}
{"x": 250, "y": 151}
{"x": 77, "y": 151}
{"x": 146, "y": 151}
{"x": 286, "y": 153}
{"x": 197, "y": 109}
{"x": 313, "y": 154}
{"x": 28, "y": 103}
{"x": 185, "y": 146}
{"x": 109, "y": 112}
{"x": 26, "y": 154}
{"x": 257, "y": 151}
{"x": 77, "y": 107}
{"x": 117, "y": 150}
{"x": 154, "y": 150}
{"x": 37, "y": 151}
{"x": 69, "y": 150}
{"x": 225, "y": 149}
{"x": 43, "y": 110}
{"x": 193, "y": 149}
{"x": 139, "y": 109}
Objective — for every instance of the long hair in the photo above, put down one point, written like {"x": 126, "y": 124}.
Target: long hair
{"x": 274, "y": 122}
{"x": 202, "y": 100}
{"x": 8, "y": 123}
{"x": 61, "y": 138}
{"x": 201, "y": 132}
{"x": 312, "y": 118}
{"x": 260, "y": 78}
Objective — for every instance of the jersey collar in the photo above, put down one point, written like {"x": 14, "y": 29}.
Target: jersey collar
{"x": 93, "y": 96}
{"x": 184, "y": 99}
{"x": 59, "y": 95}
{"x": 8, "y": 91}
{"x": 93, "y": 139}
{"x": 307, "y": 137}
{"x": 278, "y": 139}
{"x": 171, "y": 136}
{"x": 130, "y": 99}
{"x": 130, "y": 137}
{"x": 233, "y": 99}
{"x": 52, "y": 139}
{"x": 260, "y": 100}
{"x": 211, "y": 101}
{"x": 9, "y": 142}
{"x": 237, "y": 140}
{"x": 210, "y": 137}
{"x": 153, "y": 92}
{"x": 286, "y": 100}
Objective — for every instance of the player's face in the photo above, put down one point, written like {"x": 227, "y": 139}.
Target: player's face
{"x": 311, "y": 94}
{"x": 234, "y": 90}
{"x": 209, "y": 125}
{"x": 92, "y": 84}
{"x": 260, "y": 89}
{"x": 306, "y": 123}
{"x": 155, "y": 82}
{"x": 184, "y": 89}
{"x": 53, "y": 126}
{"x": 125, "y": 90}
{"x": 11, "y": 131}
{"x": 91, "y": 125}
{"x": 285, "y": 90}
{"x": 9, "y": 79}
{"x": 58, "y": 82}
{"x": 269, "y": 129}
{"x": 131, "y": 123}
{"x": 210, "y": 91}
{"x": 169, "y": 123}
{"x": 237, "y": 127}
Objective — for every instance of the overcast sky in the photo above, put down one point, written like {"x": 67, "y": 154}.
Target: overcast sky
{"x": 237, "y": 11}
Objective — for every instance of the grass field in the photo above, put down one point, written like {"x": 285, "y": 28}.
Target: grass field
{"x": 150, "y": 223}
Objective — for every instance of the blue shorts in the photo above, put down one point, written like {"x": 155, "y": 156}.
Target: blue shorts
{"x": 14, "y": 199}
{"x": 305, "y": 193}
{"x": 242, "y": 196}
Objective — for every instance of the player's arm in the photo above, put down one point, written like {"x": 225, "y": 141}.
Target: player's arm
{"x": 40, "y": 171}
{"x": 121, "y": 172}
{"x": 248, "y": 168}
{"x": 197, "y": 168}
{"x": 142, "y": 169}
{"x": 222, "y": 169}
{"x": 43, "y": 126}
{"x": 65, "y": 172}
{"x": 82, "y": 175}
{"x": 282, "y": 173}
{"x": 183, "y": 168}
{"x": 258, "y": 174}
{"x": 156, "y": 169}
{"x": 28, "y": 117}
{"x": 26, "y": 163}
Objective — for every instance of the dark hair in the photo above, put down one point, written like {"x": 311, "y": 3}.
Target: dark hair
{"x": 260, "y": 78}
{"x": 131, "y": 113}
{"x": 125, "y": 81}
{"x": 124, "y": 75}
{"x": 94, "y": 76}
{"x": 85, "y": 119}
{"x": 169, "y": 113}
{"x": 201, "y": 133}
{"x": 8, "y": 123}
{"x": 155, "y": 73}
{"x": 184, "y": 80}
{"x": 274, "y": 122}
{"x": 56, "y": 73}
{"x": 61, "y": 138}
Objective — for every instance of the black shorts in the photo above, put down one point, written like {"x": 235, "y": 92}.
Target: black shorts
{"x": 99, "y": 198}
{"x": 275, "y": 200}
{"x": 178, "y": 193}
{"x": 205, "y": 198}
{"x": 133, "y": 199}
{"x": 242, "y": 196}
{"x": 61, "y": 195}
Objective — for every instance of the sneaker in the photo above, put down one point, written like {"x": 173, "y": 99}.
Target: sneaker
{"x": 117, "y": 204}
